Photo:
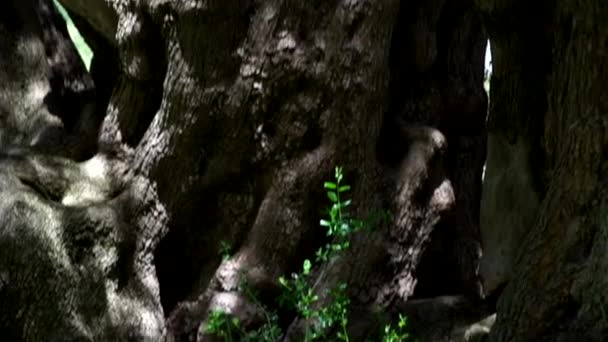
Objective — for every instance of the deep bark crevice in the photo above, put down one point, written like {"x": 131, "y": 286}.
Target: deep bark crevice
{"x": 428, "y": 48}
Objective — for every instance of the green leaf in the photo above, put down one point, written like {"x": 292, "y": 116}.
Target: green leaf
{"x": 283, "y": 281}
{"x": 321, "y": 255}
{"x": 344, "y": 188}
{"x": 345, "y": 228}
{"x": 357, "y": 225}
{"x": 345, "y": 203}
{"x": 325, "y": 223}
{"x": 402, "y": 321}
{"x": 332, "y": 196}
{"x": 330, "y": 185}
{"x": 338, "y": 173}
{"x": 306, "y": 267}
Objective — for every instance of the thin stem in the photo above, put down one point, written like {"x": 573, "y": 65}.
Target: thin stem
{"x": 344, "y": 329}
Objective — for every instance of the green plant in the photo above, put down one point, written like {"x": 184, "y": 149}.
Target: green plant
{"x": 225, "y": 250}
{"x": 398, "y": 334}
{"x": 270, "y": 331}
{"x": 328, "y": 321}
{"x": 338, "y": 223}
{"x": 336, "y": 313}
{"x": 85, "y": 52}
{"x": 224, "y": 325}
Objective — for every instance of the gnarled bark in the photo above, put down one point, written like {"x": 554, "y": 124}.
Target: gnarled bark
{"x": 224, "y": 119}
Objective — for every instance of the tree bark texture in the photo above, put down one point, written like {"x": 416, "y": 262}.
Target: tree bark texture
{"x": 222, "y": 120}
{"x": 544, "y": 202}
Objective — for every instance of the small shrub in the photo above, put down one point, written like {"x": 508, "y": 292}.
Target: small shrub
{"x": 398, "y": 334}
{"x": 329, "y": 321}
{"x": 224, "y": 325}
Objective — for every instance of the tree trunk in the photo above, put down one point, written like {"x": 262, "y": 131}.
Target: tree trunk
{"x": 545, "y": 197}
{"x": 223, "y": 120}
